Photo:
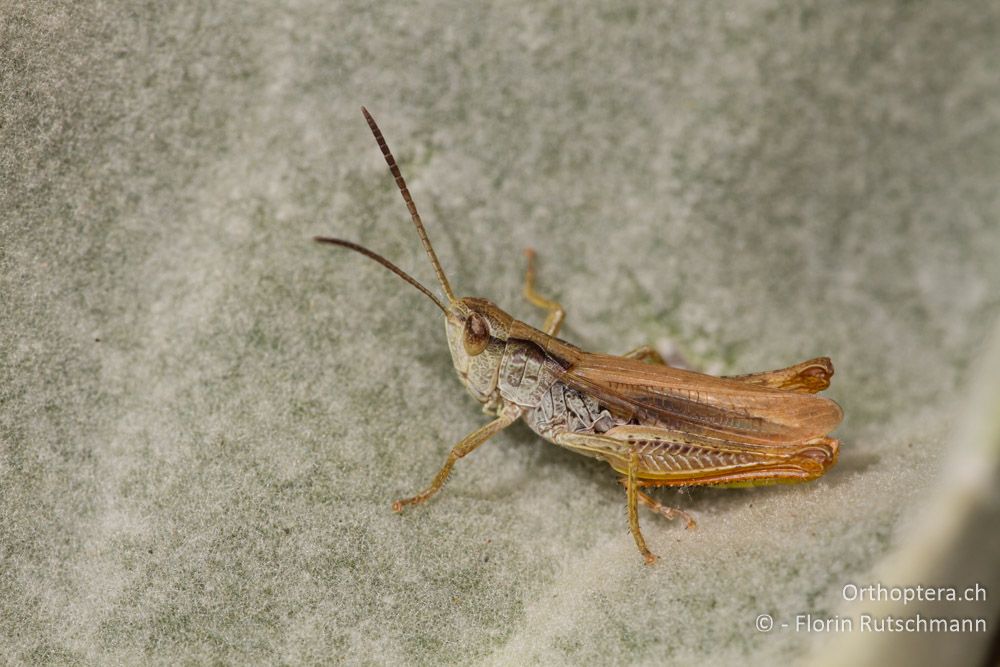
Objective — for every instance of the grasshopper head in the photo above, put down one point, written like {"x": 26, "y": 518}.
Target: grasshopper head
{"x": 477, "y": 329}
{"x": 477, "y": 334}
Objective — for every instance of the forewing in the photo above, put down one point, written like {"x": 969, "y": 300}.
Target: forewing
{"x": 702, "y": 406}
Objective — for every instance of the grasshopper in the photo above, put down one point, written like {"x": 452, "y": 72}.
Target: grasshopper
{"x": 654, "y": 424}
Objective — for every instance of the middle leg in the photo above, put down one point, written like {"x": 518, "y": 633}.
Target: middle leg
{"x": 632, "y": 494}
{"x": 658, "y": 507}
{"x": 554, "y": 318}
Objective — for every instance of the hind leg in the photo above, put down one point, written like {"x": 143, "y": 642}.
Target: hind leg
{"x": 807, "y": 377}
{"x": 650, "y": 355}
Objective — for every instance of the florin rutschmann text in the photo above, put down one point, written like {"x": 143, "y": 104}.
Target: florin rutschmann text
{"x": 879, "y": 593}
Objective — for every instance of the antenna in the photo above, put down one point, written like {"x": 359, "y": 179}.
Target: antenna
{"x": 403, "y": 190}
{"x": 370, "y": 254}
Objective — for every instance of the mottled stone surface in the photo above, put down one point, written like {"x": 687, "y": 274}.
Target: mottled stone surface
{"x": 204, "y": 416}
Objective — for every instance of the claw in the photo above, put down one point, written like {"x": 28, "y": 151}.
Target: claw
{"x": 672, "y": 513}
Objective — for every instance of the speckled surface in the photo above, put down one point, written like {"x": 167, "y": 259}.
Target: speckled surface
{"x": 204, "y": 416}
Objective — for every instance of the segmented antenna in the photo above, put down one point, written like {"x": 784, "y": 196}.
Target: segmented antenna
{"x": 401, "y": 184}
{"x": 371, "y": 254}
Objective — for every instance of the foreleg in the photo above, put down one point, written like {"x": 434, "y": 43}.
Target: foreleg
{"x": 465, "y": 446}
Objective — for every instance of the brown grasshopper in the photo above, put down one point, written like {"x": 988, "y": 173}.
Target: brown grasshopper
{"x": 654, "y": 424}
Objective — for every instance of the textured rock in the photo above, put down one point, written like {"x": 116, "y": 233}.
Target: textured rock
{"x": 204, "y": 416}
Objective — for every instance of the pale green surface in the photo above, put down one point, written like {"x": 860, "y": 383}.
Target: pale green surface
{"x": 204, "y": 417}
{"x": 953, "y": 542}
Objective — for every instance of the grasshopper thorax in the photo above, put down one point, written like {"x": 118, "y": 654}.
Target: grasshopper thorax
{"x": 477, "y": 336}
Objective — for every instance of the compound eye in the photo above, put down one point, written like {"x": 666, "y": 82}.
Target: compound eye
{"x": 476, "y": 336}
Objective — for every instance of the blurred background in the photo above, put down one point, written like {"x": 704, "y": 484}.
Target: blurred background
{"x": 204, "y": 416}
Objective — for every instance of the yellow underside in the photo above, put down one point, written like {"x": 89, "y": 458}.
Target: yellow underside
{"x": 763, "y": 475}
